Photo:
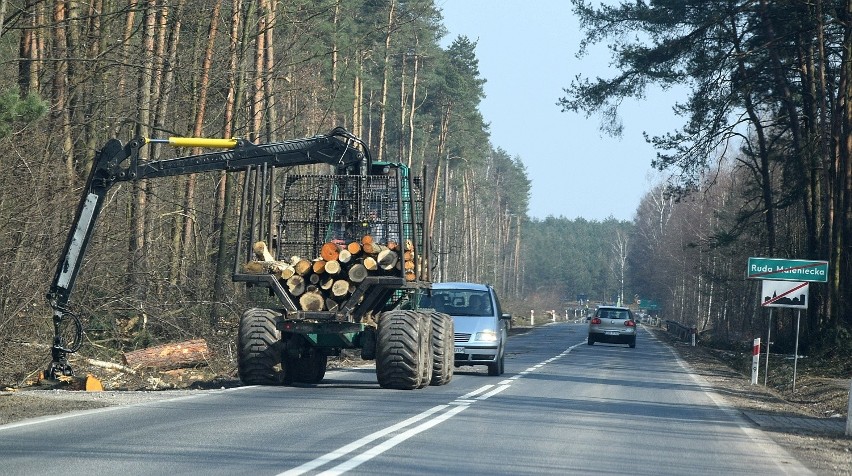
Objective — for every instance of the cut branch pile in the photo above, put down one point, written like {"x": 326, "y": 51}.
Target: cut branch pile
{"x": 325, "y": 282}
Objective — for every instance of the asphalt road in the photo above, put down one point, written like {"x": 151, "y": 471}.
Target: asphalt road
{"x": 562, "y": 407}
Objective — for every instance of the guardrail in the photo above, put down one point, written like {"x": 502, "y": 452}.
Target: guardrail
{"x": 682, "y": 332}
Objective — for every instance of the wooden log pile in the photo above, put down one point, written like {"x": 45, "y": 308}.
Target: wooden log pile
{"x": 323, "y": 283}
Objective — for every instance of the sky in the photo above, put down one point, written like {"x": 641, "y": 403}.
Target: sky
{"x": 527, "y": 54}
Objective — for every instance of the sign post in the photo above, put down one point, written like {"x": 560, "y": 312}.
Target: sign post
{"x": 785, "y": 284}
{"x": 792, "y": 294}
{"x": 768, "y": 342}
{"x": 755, "y": 361}
{"x": 796, "y": 357}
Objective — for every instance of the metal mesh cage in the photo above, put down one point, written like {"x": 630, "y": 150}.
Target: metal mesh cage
{"x": 315, "y": 209}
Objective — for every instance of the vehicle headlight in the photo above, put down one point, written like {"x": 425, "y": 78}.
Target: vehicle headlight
{"x": 486, "y": 336}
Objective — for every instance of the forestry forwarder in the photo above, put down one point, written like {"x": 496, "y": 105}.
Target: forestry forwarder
{"x": 377, "y": 205}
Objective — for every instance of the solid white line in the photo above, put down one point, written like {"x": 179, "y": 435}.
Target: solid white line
{"x": 344, "y": 450}
{"x": 381, "y": 448}
{"x": 475, "y": 392}
{"x": 493, "y": 392}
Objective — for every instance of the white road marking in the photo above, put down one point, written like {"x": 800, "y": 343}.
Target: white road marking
{"x": 344, "y": 450}
{"x": 381, "y": 448}
{"x": 493, "y": 392}
{"x": 476, "y": 392}
{"x": 92, "y": 411}
{"x": 444, "y": 413}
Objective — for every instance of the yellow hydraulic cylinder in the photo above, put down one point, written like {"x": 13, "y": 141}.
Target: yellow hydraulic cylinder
{"x": 196, "y": 142}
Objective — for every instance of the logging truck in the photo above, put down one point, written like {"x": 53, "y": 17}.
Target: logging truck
{"x": 343, "y": 256}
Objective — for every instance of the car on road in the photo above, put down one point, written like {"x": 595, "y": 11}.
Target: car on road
{"x": 613, "y": 324}
{"x": 480, "y": 324}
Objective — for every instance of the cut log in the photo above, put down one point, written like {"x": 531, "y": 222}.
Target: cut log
{"x": 366, "y": 239}
{"x": 354, "y": 248}
{"x": 370, "y": 263}
{"x": 254, "y": 267}
{"x": 387, "y": 259}
{"x": 326, "y": 282}
{"x": 344, "y": 257}
{"x": 303, "y": 267}
{"x": 319, "y": 266}
{"x": 312, "y": 301}
{"x": 296, "y": 285}
{"x": 357, "y": 273}
{"x": 110, "y": 366}
{"x": 189, "y": 353}
{"x": 331, "y": 305}
{"x": 409, "y": 265}
{"x": 329, "y": 251}
{"x": 332, "y": 268}
{"x": 340, "y": 288}
{"x": 286, "y": 272}
{"x": 393, "y": 246}
{"x": 262, "y": 252}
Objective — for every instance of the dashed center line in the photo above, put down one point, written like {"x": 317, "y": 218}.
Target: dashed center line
{"x": 401, "y": 430}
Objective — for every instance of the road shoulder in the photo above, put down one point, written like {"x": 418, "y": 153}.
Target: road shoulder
{"x": 817, "y": 442}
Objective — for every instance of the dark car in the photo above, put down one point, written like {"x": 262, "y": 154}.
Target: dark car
{"x": 613, "y": 324}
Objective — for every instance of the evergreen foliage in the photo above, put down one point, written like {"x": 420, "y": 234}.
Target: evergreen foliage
{"x": 761, "y": 164}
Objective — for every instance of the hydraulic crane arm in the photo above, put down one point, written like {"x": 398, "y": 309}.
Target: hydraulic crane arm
{"x": 117, "y": 162}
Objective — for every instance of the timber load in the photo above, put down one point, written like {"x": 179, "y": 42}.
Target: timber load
{"x": 324, "y": 282}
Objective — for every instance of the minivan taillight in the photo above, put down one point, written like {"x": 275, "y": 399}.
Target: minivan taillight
{"x": 596, "y": 321}
{"x": 629, "y": 323}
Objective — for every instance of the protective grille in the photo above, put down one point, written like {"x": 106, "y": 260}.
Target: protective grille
{"x": 315, "y": 209}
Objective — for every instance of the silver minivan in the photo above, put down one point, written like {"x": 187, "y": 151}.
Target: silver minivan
{"x": 480, "y": 325}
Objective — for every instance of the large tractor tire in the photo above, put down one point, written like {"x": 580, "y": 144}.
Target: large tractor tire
{"x": 426, "y": 348}
{"x": 443, "y": 344}
{"x": 403, "y": 349}
{"x": 259, "y": 348}
{"x": 309, "y": 368}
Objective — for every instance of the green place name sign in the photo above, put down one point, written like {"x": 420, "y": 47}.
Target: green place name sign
{"x": 788, "y": 270}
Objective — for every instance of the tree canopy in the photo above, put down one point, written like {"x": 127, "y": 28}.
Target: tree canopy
{"x": 769, "y": 104}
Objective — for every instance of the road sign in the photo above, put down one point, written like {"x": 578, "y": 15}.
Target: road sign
{"x": 792, "y": 294}
{"x": 788, "y": 270}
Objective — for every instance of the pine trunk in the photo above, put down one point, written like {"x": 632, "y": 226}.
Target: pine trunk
{"x": 169, "y": 356}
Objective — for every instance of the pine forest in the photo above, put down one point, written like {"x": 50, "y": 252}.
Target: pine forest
{"x": 761, "y": 166}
